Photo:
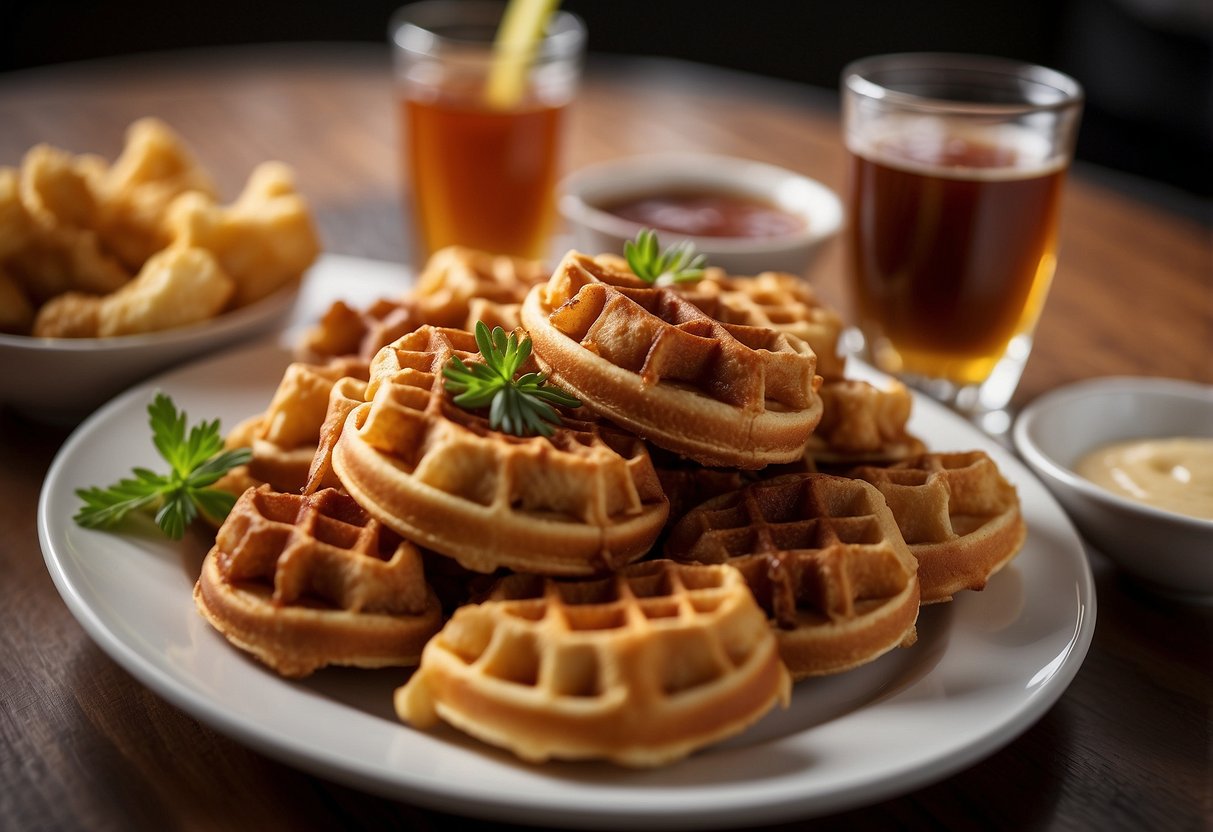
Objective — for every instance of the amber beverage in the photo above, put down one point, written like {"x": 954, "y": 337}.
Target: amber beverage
{"x": 952, "y": 252}
{"x": 956, "y": 166}
{"x": 482, "y": 177}
{"x": 481, "y": 116}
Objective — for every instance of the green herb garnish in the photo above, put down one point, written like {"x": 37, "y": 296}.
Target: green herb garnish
{"x": 677, "y": 264}
{"x": 197, "y": 461}
{"x": 521, "y": 406}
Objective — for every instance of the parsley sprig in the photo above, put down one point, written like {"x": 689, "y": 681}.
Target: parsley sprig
{"x": 521, "y": 406}
{"x": 197, "y": 460}
{"x": 677, "y": 264}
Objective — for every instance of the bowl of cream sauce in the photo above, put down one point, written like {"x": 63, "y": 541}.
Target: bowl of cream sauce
{"x": 1131, "y": 460}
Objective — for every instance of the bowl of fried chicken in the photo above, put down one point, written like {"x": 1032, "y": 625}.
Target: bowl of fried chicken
{"x": 110, "y": 272}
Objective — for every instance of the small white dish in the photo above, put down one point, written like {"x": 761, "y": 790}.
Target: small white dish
{"x": 64, "y": 379}
{"x": 1166, "y": 550}
{"x": 595, "y": 231}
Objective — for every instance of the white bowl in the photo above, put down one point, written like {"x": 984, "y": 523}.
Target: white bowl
{"x": 65, "y": 379}
{"x": 596, "y": 231}
{"x": 1167, "y": 550}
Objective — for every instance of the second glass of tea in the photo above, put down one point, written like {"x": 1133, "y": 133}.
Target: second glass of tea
{"x": 956, "y": 171}
{"x": 481, "y": 127}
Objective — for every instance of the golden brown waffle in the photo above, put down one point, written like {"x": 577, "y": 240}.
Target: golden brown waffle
{"x": 347, "y": 394}
{"x": 344, "y": 330}
{"x": 284, "y": 438}
{"x": 454, "y": 277}
{"x": 687, "y": 484}
{"x": 958, "y": 514}
{"x": 862, "y": 423}
{"x": 823, "y": 556}
{"x": 583, "y": 501}
{"x": 492, "y": 314}
{"x": 640, "y": 668}
{"x": 778, "y": 301}
{"x": 304, "y": 582}
{"x": 652, "y": 361}
{"x": 457, "y": 287}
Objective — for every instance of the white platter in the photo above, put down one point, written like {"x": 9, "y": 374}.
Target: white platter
{"x": 985, "y": 668}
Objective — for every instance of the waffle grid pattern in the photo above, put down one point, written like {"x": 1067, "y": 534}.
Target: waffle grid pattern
{"x": 559, "y": 632}
{"x": 863, "y": 423}
{"x": 582, "y": 501}
{"x": 802, "y": 542}
{"x": 320, "y": 548}
{"x": 958, "y": 514}
{"x": 412, "y": 419}
{"x": 457, "y": 287}
{"x": 641, "y": 667}
{"x": 941, "y": 497}
{"x": 455, "y": 277}
{"x": 751, "y": 367}
{"x": 782, "y": 302}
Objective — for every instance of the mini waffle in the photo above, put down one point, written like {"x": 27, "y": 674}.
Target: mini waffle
{"x": 687, "y": 484}
{"x": 304, "y": 582}
{"x": 782, "y": 302}
{"x": 454, "y": 277}
{"x": 824, "y": 558}
{"x": 347, "y": 394}
{"x": 652, "y": 361}
{"x": 958, "y": 514}
{"x": 344, "y": 330}
{"x": 583, "y": 501}
{"x": 862, "y": 423}
{"x": 492, "y": 314}
{"x": 640, "y": 668}
{"x": 284, "y": 438}
{"x": 457, "y": 287}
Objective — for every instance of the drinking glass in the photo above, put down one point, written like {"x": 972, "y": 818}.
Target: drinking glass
{"x": 480, "y": 168}
{"x": 956, "y": 165}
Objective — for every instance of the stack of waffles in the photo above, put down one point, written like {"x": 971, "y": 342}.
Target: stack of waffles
{"x": 724, "y": 513}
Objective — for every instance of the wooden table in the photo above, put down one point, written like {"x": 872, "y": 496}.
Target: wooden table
{"x": 86, "y": 746}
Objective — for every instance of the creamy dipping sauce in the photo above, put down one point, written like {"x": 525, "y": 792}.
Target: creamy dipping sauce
{"x": 708, "y": 214}
{"x": 1170, "y": 474}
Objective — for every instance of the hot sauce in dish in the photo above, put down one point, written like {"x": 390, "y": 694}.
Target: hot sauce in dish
{"x": 708, "y": 214}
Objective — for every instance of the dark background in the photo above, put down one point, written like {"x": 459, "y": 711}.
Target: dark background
{"x": 1145, "y": 64}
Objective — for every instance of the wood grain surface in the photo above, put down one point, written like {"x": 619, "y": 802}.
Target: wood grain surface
{"x": 85, "y": 746}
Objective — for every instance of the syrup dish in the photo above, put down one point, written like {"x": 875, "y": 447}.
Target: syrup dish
{"x": 781, "y": 219}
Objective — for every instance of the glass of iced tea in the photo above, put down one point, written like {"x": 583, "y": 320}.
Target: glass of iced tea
{"x": 481, "y": 128}
{"x": 956, "y": 171}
